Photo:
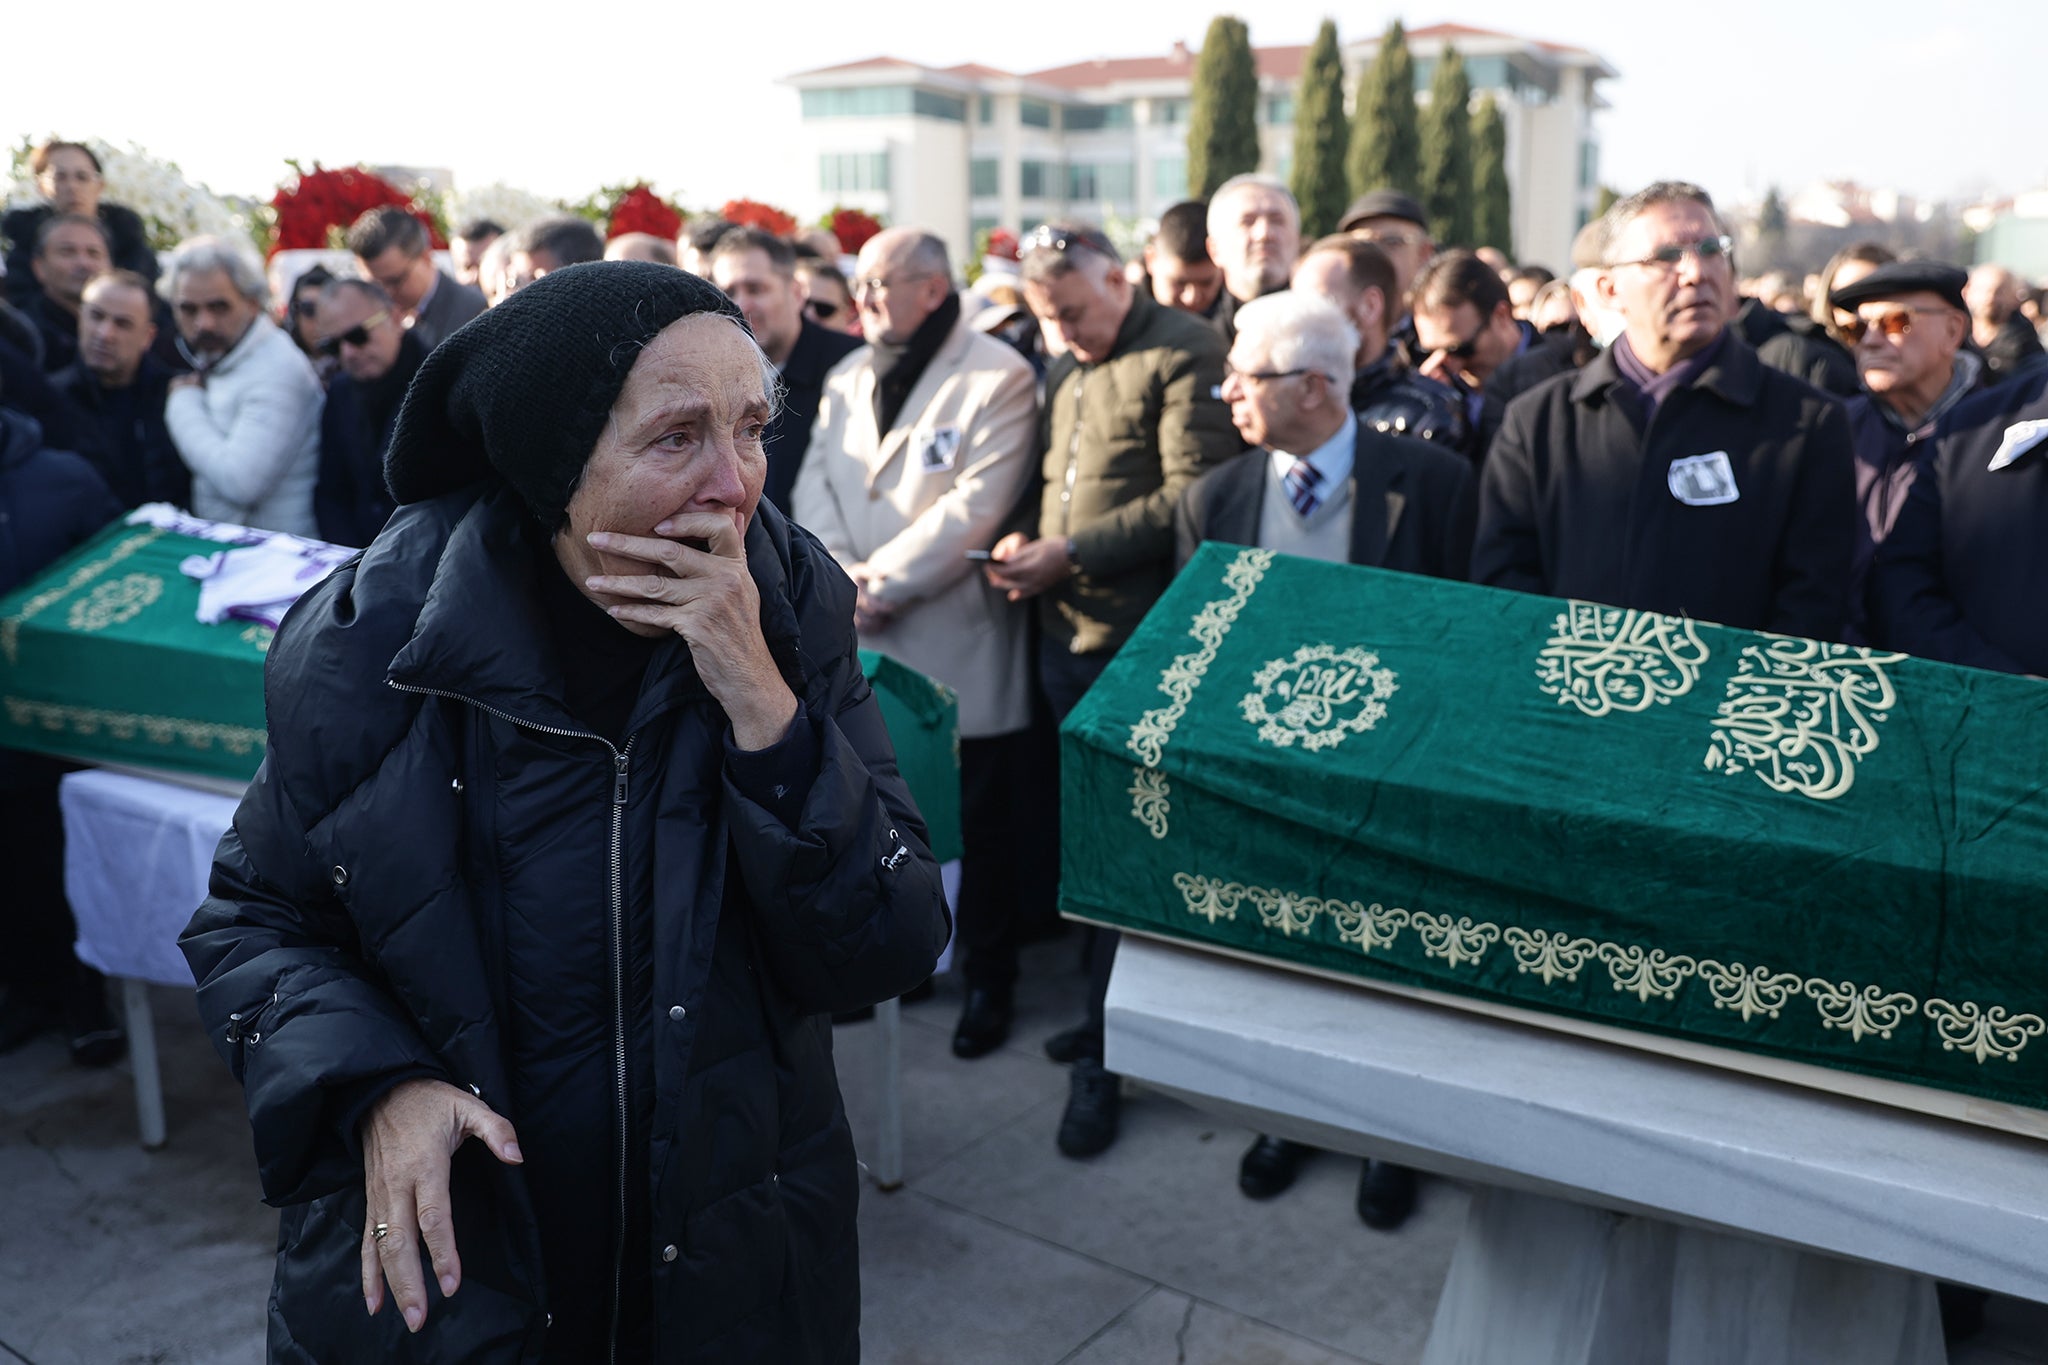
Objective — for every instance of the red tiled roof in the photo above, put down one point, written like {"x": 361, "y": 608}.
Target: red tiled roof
{"x": 864, "y": 64}
{"x": 1278, "y": 63}
{"x": 975, "y": 70}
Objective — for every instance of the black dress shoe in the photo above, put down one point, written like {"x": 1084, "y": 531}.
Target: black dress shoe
{"x": 984, "y": 1023}
{"x": 1094, "y": 1097}
{"x": 1071, "y": 1045}
{"x": 1269, "y": 1166}
{"x": 1386, "y": 1195}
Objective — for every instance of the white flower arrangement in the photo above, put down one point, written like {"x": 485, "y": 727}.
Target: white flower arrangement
{"x": 506, "y": 205}
{"x": 172, "y": 208}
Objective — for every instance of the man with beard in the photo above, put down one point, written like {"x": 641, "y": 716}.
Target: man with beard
{"x": 360, "y": 329}
{"x": 69, "y": 251}
{"x": 1676, "y": 473}
{"x": 247, "y": 420}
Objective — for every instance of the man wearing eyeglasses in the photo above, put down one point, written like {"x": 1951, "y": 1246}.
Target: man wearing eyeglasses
{"x": 393, "y": 250}
{"x": 359, "y": 330}
{"x": 1676, "y": 472}
{"x": 1131, "y": 417}
{"x": 1908, "y": 322}
{"x": 1396, "y": 224}
{"x": 1465, "y": 330}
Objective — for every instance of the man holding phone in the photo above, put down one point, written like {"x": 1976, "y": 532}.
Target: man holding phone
{"x": 925, "y": 437}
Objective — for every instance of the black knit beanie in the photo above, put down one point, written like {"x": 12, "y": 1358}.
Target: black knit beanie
{"x": 524, "y": 389}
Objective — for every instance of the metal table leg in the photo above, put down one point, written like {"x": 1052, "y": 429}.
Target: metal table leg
{"x": 149, "y": 1081}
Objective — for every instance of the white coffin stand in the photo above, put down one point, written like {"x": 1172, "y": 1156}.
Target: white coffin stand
{"x": 1632, "y": 1208}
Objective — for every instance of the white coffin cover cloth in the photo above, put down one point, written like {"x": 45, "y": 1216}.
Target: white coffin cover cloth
{"x": 136, "y": 857}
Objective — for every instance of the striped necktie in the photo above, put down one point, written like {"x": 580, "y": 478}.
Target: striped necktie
{"x": 1301, "y": 480}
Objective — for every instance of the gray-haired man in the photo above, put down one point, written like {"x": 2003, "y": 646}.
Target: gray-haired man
{"x": 247, "y": 420}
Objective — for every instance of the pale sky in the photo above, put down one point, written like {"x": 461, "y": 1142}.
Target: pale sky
{"x": 1938, "y": 99}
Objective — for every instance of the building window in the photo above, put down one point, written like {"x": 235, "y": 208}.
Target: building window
{"x": 980, "y": 225}
{"x": 839, "y": 171}
{"x": 931, "y": 104}
{"x": 1033, "y": 178}
{"x": 1087, "y": 118}
{"x": 1034, "y": 113}
{"x": 1170, "y": 177}
{"x": 985, "y": 109}
{"x": 1169, "y": 112}
{"x": 1279, "y": 110}
{"x": 984, "y": 176}
{"x": 1093, "y": 182}
{"x": 1589, "y": 164}
{"x": 878, "y": 101}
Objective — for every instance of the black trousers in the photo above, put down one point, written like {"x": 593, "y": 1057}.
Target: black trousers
{"x": 997, "y": 807}
{"x": 1066, "y": 676}
{"x": 36, "y": 920}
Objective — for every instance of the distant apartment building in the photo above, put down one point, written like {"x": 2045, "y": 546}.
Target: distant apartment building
{"x": 961, "y": 149}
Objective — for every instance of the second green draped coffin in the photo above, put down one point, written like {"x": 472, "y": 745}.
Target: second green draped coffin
{"x": 1816, "y": 852}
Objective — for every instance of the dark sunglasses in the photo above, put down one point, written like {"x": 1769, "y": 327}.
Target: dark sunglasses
{"x": 358, "y": 335}
{"x": 824, "y": 312}
{"x": 1894, "y": 323}
{"x": 1467, "y": 348}
{"x": 306, "y": 308}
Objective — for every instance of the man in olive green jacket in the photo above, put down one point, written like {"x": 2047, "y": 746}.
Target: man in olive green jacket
{"x": 1132, "y": 416}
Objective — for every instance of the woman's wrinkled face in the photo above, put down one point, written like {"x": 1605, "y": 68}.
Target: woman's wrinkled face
{"x": 684, "y": 436}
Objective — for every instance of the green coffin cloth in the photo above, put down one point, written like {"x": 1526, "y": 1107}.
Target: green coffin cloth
{"x": 1815, "y": 852}
{"x": 102, "y": 659}
{"x": 923, "y": 718}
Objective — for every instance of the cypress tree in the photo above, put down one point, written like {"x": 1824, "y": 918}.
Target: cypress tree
{"x": 1321, "y": 132}
{"x": 1385, "y": 145}
{"x": 1447, "y": 151}
{"x": 1492, "y": 209}
{"x": 1223, "y": 125}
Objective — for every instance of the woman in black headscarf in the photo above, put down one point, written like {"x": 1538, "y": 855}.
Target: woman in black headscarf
{"x": 577, "y": 821}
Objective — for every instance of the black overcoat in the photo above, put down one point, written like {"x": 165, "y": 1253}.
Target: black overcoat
{"x": 1575, "y": 501}
{"x": 435, "y": 873}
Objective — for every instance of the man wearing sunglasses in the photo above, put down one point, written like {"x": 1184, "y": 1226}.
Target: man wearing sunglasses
{"x": 1908, "y": 322}
{"x": 1465, "y": 330}
{"x": 359, "y": 330}
{"x": 1676, "y": 472}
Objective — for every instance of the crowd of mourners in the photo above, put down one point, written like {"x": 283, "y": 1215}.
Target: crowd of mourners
{"x": 1011, "y": 473}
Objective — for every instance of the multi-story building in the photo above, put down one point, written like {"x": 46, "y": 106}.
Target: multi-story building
{"x": 963, "y": 148}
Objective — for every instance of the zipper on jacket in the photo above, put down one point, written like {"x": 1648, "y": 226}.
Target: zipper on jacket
{"x": 621, "y": 760}
{"x": 1073, "y": 457}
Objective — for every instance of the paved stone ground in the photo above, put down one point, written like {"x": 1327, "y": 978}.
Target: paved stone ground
{"x": 996, "y": 1251}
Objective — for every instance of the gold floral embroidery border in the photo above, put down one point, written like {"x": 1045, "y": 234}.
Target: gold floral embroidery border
{"x": 1151, "y": 796}
{"x": 1750, "y": 991}
{"x": 10, "y": 628}
{"x": 91, "y": 722}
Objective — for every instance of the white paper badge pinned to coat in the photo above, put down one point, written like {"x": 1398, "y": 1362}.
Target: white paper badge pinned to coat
{"x": 937, "y": 449}
{"x": 2019, "y": 438}
{"x": 1703, "y": 480}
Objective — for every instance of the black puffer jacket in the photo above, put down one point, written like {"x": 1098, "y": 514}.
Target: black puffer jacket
{"x": 432, "y": 874}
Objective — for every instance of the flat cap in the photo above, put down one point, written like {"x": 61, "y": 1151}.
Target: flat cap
{"x": 1905, "y": 277}
{"x": 1383, "y": 204}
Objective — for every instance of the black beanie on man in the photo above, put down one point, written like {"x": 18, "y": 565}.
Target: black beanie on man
{"x": 523, "y": 390}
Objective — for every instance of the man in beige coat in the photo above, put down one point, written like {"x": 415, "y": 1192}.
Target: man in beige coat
{"x": 925, "y": 438}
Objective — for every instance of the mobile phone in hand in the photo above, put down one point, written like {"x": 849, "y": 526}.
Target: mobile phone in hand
{"x": 981, "y": 554}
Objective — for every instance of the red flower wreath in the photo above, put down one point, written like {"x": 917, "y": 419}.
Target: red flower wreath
{"x": 757, "y": 214}
{"x": 640, "y": 209}
{"x": 322, "y": 202}
{"x": 852, "y": 228}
